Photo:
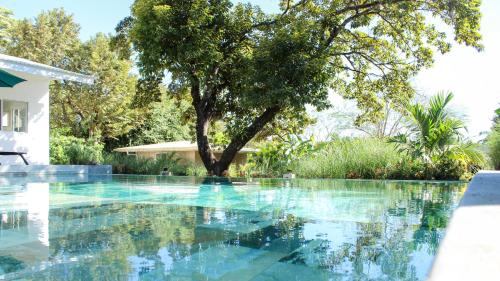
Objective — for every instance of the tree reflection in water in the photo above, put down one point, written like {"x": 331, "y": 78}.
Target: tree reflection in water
{"x": 254, "y": 232}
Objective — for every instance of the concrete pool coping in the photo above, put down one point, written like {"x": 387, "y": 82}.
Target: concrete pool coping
{"x": 6, "y": 170}
{"x": 471, "y": 247}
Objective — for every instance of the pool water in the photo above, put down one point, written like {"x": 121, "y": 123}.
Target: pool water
{"x": 183, "y": 228}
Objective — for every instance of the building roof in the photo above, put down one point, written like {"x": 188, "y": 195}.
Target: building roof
{"x": 34, "y": 68}
{"x": 176, "y": 146}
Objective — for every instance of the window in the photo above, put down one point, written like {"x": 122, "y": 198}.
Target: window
{"x": 14, "y": 116}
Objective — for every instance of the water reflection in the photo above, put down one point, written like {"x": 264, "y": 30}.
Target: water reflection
{"x": 152, "y": 228}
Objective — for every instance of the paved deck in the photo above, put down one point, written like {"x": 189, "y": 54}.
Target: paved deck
{"x": 471, "y": 247}
{"x": 54, "y": 169}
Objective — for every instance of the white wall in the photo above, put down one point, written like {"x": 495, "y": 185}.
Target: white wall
{"x": 35, "y": 142}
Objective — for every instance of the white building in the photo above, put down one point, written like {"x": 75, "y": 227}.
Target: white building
{"x": 24, "y": 109}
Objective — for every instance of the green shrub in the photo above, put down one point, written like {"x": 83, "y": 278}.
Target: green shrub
{"x": 196, "y": 170}
{"x": 275, "y": 158}
{"x": 450, "y": 169}
{"x": 67, "y": 150}
{"x": 493, "y": 142}
{"x": 407, "y": 168}
{"x": 131, "y": 164}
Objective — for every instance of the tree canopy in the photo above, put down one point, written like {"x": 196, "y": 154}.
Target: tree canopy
{"x": 103, "y": 109}
{"x": 6, "y": 22}
{"x": 47, "y": 39}
{"x": 247, "y": 67}
{"x": 166, "y": 120}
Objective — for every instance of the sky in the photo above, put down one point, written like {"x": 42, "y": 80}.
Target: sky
{"x": 473, "y": 77}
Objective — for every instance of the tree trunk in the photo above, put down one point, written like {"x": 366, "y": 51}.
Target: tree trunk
{"x": 238, "y": 142}
{"x": 204, "y": 108}
{"x": 217, "y": 167}
{"x": 203, "y": 118}
{"x": 204, "y": 149}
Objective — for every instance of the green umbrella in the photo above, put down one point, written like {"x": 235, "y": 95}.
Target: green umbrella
{"x": 9, "y": 80}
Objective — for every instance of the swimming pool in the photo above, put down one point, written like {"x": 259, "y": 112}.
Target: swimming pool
{"x": 183, "y": 228}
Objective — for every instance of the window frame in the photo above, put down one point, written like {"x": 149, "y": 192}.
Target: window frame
{"x": 11, "y": 121}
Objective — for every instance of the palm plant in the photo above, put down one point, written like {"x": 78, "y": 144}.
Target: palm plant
{"x": 434, "y": 135}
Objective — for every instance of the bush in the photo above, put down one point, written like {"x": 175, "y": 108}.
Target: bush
{"x": 493, "y": 142}
{"x": 275, "y": 158}
{"x": 449, "y": 169}
{"x": 67, "y": 150}
{"x": 196, "y": 170}
{"x": 407, "y": 168}
{"x": 131, "y": 164}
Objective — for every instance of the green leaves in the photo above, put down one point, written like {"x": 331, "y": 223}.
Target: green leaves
{"x": 436, "y": 138}
{"x": 164, "y": 122}
{"x": 48, "y": 39}
{"x": 6, "y": 22}
{"x": 493, "y": 141}
{"x": 100, "y": 111}
{"x": 240, "y": 62}
{"x": 103, "y": 109}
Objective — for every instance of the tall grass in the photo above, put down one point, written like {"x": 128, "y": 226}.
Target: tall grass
{"x": 355, "y": 158}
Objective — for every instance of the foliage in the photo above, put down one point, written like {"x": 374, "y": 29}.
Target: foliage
{"x": 496, "y": 120}
{"x": 275, "y": 158}
{"x": 196, "y": 170}
{"x": 353, "y": 158}
{"x": 101, "y": 110}
{"x": 48, "y": 39}
{"x": 283, "y": 125}
{"x": 493, "y": 141}
{"x": 163, "y": 121}
{"x": 494, "y": 147}
{"x": 6, "y": 22}
{"x": 66, "y": 150}
{"x": 248, "y": 68}
{"x": 435, "y": 137}
{"x": 131, "y": 164}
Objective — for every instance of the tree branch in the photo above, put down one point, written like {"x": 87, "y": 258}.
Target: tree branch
{"x": 239, "y": 141}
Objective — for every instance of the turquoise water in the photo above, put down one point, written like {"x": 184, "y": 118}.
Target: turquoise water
{"x": 181, "y": 228}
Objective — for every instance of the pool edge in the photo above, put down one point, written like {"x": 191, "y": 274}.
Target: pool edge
{"x": 470, "y": 249}
{"x": 6, "y": 170}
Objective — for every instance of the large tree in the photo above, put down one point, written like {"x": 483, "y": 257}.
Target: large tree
{"x": 164, "y": 121}
{"x": 6, "y": 22}
{"x": 103, "y": 110}
{"x": 247, "y": 68}
{"x": 49, "y": 38}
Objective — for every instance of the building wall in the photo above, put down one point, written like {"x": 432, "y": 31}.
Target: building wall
{"x": 185, "y": 156}
{"x": 35, "y": 142}
{"x": 194, "y": 157}
{"x": 239, "y": 159}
